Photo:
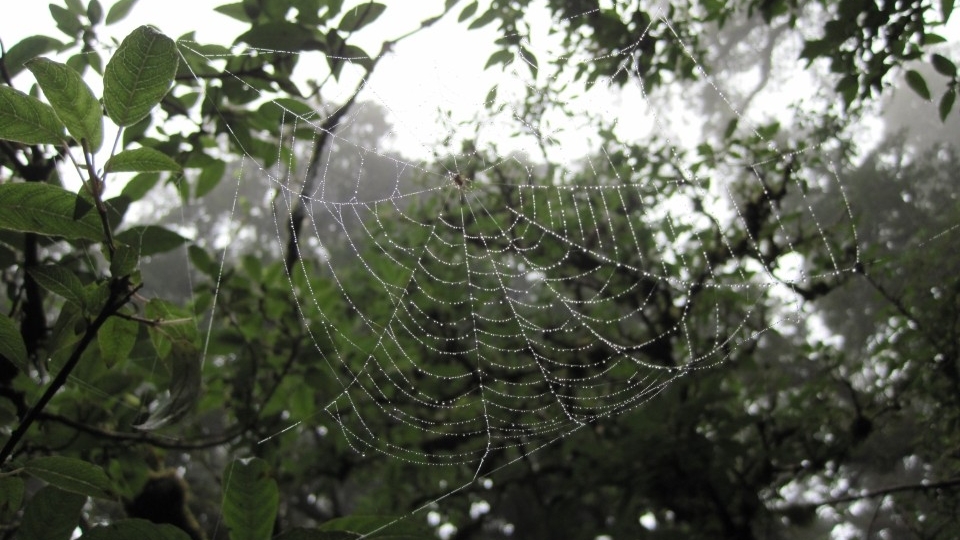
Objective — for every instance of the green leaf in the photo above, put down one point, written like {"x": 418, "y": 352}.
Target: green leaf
{"x": 140, "y": 185}
{"x": 175, "y": 336}
{"x": 141, "y": 160}
{"x": 848, "y": 87}
{"x": 52, "y": 514}
{"x": 731, "y": 127}
{"x": 116, "y": 338}
{"x": 301, "y": 533}
{"x": 815, "y": 48}
{"x": 45, "y": 209}
{"x": 946, "y": 103}
{"x": 202, "y": 261}
{"x": 72, "y": 100}
{"x": 917, "y": 83}
{"x": 503, "y": 56}
{"x": 491, "y": 96}
{"x": 140, "y": 529}
{"x": 124, "y": 261}
{"x": 185, "y": 387}
{"x": 468, "y": 11}
{"x": 139, "y": 75}
{"x": 278, "y": 35}
{"x": 943, "y": 65}
{"x": 11, "y": 497}
{"x": 73, "y": 475}
{"x": 173, "y": 326}
{"x": 11, "y": 344}
{"x": 210, "y": 176}
{"x": 75, "y": 6}
{"x": 488, "y": 17}
{"x": 235, "y": 11}
{"x": 26, "y": 49}
{"x": 149, "y": 240}
{"x": 119, "y": 10}
{"x": 530, "y": 59}
{"x": 250, "y": 499}
{"x": 26, "y": 119}
{"x": 94, "y": 12}
{"x": 360, "y": 16}
{"x": 946, "y": 8}
{"x": 59, "y": 281}
{"x": 67, "y": 22}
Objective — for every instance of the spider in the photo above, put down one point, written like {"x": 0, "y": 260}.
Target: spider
{"x": 459, "y": 180}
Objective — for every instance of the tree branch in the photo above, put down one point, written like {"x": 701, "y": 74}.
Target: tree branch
{"x": 116, "y": 300}
{"x": 298, "y": 215}
{"x": 145, "y": 438}
{"x": 929, "y": 486}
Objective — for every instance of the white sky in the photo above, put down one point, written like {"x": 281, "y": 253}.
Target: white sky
{"x": 437, "y": 68}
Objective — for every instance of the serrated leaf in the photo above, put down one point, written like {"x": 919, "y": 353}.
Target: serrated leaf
{"x": 73, "y": 475}
{"x": 918, "y": 84}
{"x": 140, "y": 529}
{"x": 250, "y": 500}
{"x": 59, "y": 281}
{"x": 26, "y": 119}
{"x": 139, "y": 75}
{"x": 360, "y": 16}
{"x": 141, "y": 160}
{"x": 119, "y": 11}
{"x": 946, "y": 103}
{"x": 116, "y": 339}
{"x": 51, "y": 514}
{"x": 11, "y": 344}
{"x": 45, "y": 209}
{"x": 148, "y": 240}
{"x": 71, "y": 98}
{"x": 943, "y": 65}
{"x": 26, "y": 49}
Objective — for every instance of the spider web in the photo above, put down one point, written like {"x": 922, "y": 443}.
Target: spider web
{"x": 504, "y": 295}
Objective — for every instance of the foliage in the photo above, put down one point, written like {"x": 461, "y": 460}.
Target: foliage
{"x": 96, "y": 374}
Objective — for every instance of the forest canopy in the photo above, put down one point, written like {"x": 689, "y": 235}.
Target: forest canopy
{"x": 681, "y": 270}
